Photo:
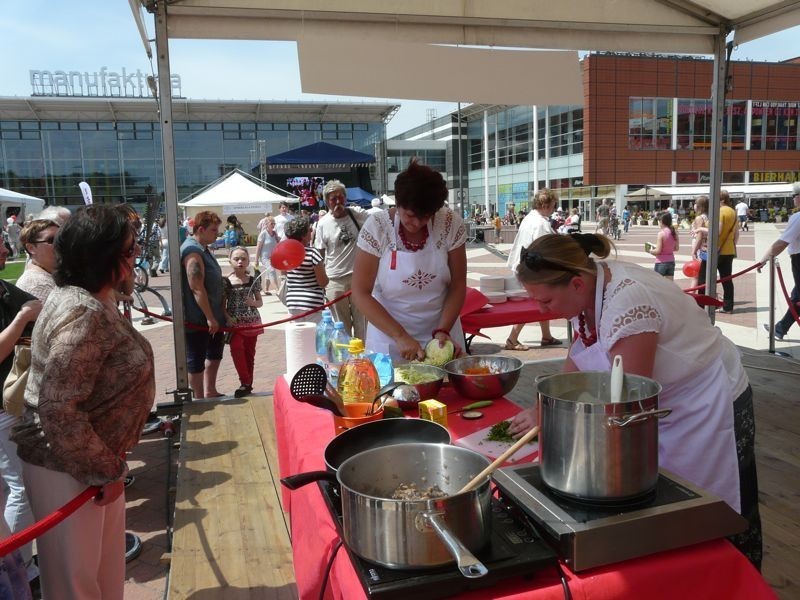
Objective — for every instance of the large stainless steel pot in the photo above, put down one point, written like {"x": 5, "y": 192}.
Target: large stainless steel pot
{"x": 412, "y": 534}
{"x": 592, "y": 449}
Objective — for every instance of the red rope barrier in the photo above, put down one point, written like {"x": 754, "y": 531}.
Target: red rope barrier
{"x": 786, "y": 295}
{"x": 28, "y": 534}
{"x": 724, "y": 279}
{"x": 247, "y": 327}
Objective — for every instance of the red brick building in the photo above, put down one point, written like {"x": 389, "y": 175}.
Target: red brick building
{"x": 647, "y": 120}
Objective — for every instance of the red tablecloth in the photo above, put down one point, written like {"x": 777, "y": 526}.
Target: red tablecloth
{"x": 507, "y": 313}
{"x": 710, "y": 570}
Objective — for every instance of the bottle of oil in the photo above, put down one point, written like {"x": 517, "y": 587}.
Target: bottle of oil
{"x": 358, "y": 378}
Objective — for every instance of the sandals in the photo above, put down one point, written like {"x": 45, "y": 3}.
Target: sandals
{"x": 550, "y": 342}
{"x": 515, "y": 346}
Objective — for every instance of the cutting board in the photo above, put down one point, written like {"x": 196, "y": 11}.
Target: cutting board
{"x": 477, "y": 441}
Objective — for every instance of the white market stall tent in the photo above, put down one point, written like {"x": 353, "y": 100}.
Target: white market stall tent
{"x": 237, "y": 193}
{"x": 29, "y": 204}
{"x": 736, "y": 190}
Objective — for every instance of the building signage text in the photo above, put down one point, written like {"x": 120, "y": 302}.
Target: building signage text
{"x": 101, "y": 84}
{"x": 774, "y": 176}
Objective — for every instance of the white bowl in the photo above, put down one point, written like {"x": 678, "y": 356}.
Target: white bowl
{"x": 490, "y": 283}
{"x": 517, "y": 295}
{"x": 495, "y": 297}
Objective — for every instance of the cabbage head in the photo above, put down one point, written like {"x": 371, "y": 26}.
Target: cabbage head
{"x": 436, "y": 356}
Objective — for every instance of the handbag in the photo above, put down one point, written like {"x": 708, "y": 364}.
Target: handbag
{"x": 14, "y": 385}
{"x": 283, "y": 290}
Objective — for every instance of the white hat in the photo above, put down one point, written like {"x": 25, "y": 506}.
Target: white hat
{"x": 10, "y": 220}
{"x": 376, "y": 202}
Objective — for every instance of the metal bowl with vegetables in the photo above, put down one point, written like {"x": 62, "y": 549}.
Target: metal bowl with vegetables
{"x": 483, "y": 377}
{"x": 426, "y": 379}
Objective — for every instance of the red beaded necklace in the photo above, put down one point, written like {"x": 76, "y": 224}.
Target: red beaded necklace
{"x": 587, "y": 340}
{"x": 413, "y": 246}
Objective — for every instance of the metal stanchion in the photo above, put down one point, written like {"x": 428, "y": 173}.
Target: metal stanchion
{"x": 772, "y": 310}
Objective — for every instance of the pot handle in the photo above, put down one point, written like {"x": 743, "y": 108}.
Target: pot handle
{"x": 469, "y": 566}
{"x": 642, "y": 416}
{"x": 293, "y": 482}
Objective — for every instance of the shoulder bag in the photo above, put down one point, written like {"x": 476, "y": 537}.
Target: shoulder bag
{"x": 14, "y": 385}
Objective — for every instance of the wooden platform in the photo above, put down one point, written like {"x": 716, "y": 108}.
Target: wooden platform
{"x": 230, "y": 537}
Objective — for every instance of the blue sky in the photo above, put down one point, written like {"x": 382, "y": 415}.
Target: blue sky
{"x": 84, "y": 35}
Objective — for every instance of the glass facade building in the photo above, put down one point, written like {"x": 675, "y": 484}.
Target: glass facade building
{"x": 49, "y": 145}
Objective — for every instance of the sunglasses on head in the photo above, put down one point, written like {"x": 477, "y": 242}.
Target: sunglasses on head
{"x": 536, "y": 262}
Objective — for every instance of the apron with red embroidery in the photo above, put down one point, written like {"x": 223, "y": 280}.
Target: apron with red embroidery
{"x": 412, "y": 287}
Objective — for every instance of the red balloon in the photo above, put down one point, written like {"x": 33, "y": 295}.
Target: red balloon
{"x": 692, "y": 268}
{"x": 288, "y": 255}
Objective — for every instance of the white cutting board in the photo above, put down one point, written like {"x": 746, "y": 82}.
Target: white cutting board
{"x": 478, "y": 442}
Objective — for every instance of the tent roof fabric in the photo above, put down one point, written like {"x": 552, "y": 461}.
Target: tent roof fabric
{"x": 624, "y": 25}
{"x": 31, "y": 203}
{"x": 236, "y": 188}
{"x": 750, "y": 190}
{"x": 320, "y": 154}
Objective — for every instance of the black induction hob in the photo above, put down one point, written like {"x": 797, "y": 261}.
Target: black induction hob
{"x": 675, "y": 514}
{"x": 514, "y": 550}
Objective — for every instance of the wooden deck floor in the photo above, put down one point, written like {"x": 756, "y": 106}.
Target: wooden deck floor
{"x": 231, "y": 539}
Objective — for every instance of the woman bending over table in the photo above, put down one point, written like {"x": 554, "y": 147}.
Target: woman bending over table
{"x": 410, "y": 273}
{"x": 661, "y": 333}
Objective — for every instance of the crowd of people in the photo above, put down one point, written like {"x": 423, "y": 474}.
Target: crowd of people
{"x": 91, "y": 377}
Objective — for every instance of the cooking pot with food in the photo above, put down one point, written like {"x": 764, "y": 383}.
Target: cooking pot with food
{"x": 441, "y": 526}
{"x": 591, "y": 448}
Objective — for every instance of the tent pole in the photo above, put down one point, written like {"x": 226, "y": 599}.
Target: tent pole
{"x": 182, "y": 392}
{"x": 715, "y": 184}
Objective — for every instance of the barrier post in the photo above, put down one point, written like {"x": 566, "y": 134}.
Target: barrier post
{"x": 772, "y": 310}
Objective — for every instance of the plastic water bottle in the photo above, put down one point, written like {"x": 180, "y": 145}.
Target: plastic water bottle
{"x": 324, "y": 331}
{"x": 383, "y": 365}
{"x": 358, "y": 380}
{"x": 337, "y": 351}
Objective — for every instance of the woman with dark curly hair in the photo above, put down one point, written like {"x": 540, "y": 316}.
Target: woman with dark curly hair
{"x": 410, "y": 274}
{"x": 90, "y": 388}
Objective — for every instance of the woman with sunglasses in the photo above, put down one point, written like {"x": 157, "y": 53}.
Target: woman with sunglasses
{"x": 90, "y": 389}
{"x": 620, "y": 308}
{"x": 38, "y": 238}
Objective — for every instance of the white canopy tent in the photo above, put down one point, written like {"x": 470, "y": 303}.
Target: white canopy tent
{"x": 236, "y": 193}
{"x": 672, "y": 26}
{"x": 30, "y": 204}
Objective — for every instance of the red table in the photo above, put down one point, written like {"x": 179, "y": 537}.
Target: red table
{"x": 710, "y": 570}
{"x": 500, "y": 315}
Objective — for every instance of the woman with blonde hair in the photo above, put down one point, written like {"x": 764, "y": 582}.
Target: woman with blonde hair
{"x": 620, "y": 308}
{"x": 535, "y": 224}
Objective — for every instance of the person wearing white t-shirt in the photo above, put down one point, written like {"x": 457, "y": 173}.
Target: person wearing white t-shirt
{"x": 535, "y": 224}
{"x": 790, "y": 238}
{"x": 741, "y": 213}
{"x": 284, "y": 216}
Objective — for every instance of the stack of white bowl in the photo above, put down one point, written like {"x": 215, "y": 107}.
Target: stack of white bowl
{"x": 493, "y": 287}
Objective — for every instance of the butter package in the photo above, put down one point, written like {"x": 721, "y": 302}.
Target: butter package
{"x": 433, "y": 410}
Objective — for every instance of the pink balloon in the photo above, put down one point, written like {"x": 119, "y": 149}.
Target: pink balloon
{"x": 288, "y": 255}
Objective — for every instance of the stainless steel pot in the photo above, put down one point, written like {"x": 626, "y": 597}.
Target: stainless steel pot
{"x": 416, "y": 533}
{"x": 592, "y": 449}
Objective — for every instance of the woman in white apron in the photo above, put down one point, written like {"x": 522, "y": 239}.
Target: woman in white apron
{"x": 661, "y": 333}
{"x": 410, "y": 273}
